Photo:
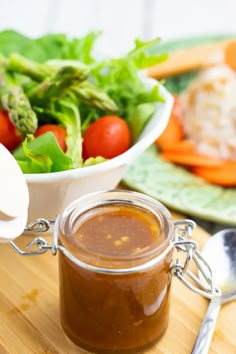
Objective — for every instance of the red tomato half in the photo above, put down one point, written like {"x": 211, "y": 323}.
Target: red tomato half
{"x": 58, "y": 131}
{"x": 9, "y": 135}
{"x": 109, "y": 136}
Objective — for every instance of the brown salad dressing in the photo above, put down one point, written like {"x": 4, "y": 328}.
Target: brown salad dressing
{"x": 115, "y": 313}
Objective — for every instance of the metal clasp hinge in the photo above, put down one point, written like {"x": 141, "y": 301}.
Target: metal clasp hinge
{"x": 183, "y": 243}
{"x": 38, "y": 245}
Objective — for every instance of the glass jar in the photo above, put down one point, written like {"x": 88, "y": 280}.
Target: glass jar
{"x": 116, "y": 297}
{"x": 116, "y": 251}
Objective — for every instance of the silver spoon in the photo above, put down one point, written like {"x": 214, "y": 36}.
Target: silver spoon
{"x": 220, "y": 253}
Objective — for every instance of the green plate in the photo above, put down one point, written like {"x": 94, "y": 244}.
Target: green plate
{"x": 175, "y": 187}
{"x": 180, "y": 190}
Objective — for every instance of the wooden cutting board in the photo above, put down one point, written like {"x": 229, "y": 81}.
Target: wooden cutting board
{"x": 29, "y": 310}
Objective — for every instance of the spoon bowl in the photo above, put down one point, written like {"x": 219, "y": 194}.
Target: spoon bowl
{"x": 220, "y": 253}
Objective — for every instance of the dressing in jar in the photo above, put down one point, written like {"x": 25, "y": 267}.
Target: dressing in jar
{"x": 115, "y": 280}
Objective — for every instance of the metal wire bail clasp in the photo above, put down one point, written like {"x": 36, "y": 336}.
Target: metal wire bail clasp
{"x": 38, "y": 245}
{"x": 184, "y": 244}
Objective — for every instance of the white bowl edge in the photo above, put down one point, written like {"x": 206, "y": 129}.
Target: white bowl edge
{"x": 157, "y": 124}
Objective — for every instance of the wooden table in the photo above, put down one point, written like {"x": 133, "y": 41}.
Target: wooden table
{"x": 29, "y": 310}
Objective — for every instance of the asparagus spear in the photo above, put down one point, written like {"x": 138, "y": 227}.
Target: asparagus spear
{"x": 57, "y": 86}
{"x": 94, "y": 97}
{"x": 85, "y": 91}
{"x": 16, "y": 103}
{"x": 38, "y": 72}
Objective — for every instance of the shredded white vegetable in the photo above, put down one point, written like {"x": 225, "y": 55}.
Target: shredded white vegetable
{"x": 209, "y": 117}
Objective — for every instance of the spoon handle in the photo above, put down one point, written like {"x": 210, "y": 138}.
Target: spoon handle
{"x": 203, "y": 340}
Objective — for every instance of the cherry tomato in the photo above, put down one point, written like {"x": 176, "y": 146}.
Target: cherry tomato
{"x": 109, "y": 136}
{"x": 58, "y": 131}
{"x": 10, "y": 137}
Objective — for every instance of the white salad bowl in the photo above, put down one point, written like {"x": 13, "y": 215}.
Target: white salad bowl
{"x": 51, "y": 193}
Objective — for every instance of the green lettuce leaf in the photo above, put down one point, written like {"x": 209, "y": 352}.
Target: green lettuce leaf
{"x": 13, "y": 42}
{"x": 93, "y": 161}
{"x": 81, "y": 48}
{"x": 65, "y": 111}
{"x": 48, "y": 47}
{"x": 42, "y": 155}
{"x": 120, "y": 78}
{"x": 144, "y": 59}
{"x": 138, "y": 117}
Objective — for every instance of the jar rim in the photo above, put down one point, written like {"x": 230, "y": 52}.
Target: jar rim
{"x": 101, "y": 198}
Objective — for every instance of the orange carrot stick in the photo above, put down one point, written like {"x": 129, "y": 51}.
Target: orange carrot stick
{"x": 185, "y": 60}
{"x": 172, "y": 133}
{"x": 230, "y": 54}
{"x": 180, "y": 147}
{"x": 191, "y": 159}
{"x": 223, "y": 175}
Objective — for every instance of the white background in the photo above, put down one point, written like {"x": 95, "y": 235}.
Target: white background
{"x": 121, "y": 21}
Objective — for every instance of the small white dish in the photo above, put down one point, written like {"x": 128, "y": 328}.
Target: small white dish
{"x": 14, "y": 200}
{"x": 11, "y": 228}
{"x": 13, "y": 188}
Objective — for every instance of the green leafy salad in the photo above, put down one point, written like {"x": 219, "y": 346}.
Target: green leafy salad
{"x": 56, "y": 80}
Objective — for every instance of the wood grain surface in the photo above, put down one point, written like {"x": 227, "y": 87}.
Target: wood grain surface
{"x": 29, "y": 309}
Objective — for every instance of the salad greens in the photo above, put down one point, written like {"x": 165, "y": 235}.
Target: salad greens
{"x": 50, "y": 46}
{"x": 46, "y": 156}
{"x": 64, "y": 84}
